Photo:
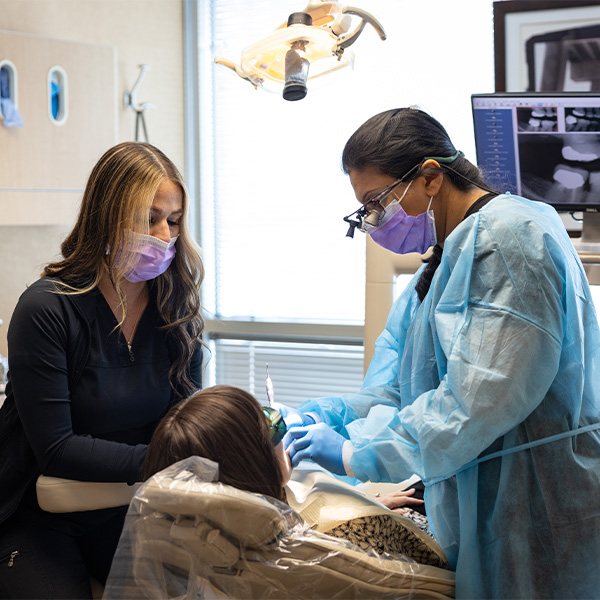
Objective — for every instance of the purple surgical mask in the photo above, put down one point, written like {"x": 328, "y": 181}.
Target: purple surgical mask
{"x": 401, "y": 233}
{"x": 153, "y": 257}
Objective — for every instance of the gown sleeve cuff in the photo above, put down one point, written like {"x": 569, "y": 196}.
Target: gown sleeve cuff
{"x": 347, "y": 452}
{"x": 314, "y": 416}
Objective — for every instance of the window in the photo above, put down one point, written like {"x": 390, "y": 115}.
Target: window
{"x": 283, "y": 282}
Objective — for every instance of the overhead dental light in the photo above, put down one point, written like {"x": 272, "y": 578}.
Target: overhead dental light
{"x": 311, "y": 44}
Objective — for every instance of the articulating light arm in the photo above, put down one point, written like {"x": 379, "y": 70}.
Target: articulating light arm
{"x": 350, "y": 38}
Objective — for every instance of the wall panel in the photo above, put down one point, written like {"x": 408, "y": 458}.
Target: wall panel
{"x": 41, "y": 154}
{"x": 140, "y": 31}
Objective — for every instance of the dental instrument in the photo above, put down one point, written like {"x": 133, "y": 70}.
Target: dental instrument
{"x": 270, "y": 394}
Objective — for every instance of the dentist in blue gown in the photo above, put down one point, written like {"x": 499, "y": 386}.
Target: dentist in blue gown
{"x": 486, "y": 379}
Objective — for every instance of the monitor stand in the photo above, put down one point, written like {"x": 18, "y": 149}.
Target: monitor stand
{"x": 588, "y": 246}
{"x": 590, "y": 232}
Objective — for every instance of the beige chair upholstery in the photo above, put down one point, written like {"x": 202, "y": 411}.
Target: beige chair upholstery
{"x": 67, "y": 495}
{"x": 187, "y": 535}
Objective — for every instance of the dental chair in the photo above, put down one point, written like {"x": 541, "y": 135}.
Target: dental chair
{"x": 187, "y": 535}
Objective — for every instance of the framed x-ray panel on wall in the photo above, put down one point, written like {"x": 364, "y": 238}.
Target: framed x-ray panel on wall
{"x": 547, "y": 45}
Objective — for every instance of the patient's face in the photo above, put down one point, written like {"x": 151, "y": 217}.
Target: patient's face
{"x": 284, "y": 462}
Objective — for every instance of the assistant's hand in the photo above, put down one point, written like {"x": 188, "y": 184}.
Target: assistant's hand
{"x": 316, "y": 442}
{"x": 395, "y": 500}
{"x": 293, "y": 417}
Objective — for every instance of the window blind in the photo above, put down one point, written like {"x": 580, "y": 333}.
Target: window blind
{"x": 299, "y": 371}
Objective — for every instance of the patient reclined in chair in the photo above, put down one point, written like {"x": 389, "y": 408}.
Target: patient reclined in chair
{"x": 189, "y": 536}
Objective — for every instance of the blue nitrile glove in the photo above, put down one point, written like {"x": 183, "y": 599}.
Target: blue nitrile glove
{"x": 292, "y": 416}
{"x": 316, "y": 442}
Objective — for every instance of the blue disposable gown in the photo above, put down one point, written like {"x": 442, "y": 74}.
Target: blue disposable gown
{"x": 489, "y": 390}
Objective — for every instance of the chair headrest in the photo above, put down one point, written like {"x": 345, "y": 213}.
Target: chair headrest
{"x": 247, "y": 517}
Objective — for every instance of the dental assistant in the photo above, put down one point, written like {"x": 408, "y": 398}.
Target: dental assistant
{"x": 99, "y": 349}
{"x": 485, "y": 381}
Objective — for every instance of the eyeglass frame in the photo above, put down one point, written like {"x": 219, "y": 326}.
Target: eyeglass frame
{"x": 376, "y": 200}
{"x": 363, "y": 210}
{"x": 370, "y": 205}
{"x": 277, "y": 426}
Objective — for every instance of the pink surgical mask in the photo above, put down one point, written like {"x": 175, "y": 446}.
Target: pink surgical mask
{"x": 152, "y": 257}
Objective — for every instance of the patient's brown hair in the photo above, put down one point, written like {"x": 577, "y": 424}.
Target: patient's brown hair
{"x": 224, "y": 424}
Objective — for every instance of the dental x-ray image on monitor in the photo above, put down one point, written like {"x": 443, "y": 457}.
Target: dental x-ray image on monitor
{"x": 543, "y": 146}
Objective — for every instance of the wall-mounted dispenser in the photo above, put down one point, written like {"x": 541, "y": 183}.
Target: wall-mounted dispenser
{"x": 9, "y": 95}
{"x": 58, "y": 95}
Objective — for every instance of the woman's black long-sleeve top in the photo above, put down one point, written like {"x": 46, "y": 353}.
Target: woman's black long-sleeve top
{"x": 79, "y": 404}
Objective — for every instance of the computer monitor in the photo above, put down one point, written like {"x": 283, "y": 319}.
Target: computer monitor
{"x": 543, "y": 146}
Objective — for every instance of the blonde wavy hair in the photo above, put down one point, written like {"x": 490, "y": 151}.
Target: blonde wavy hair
{"x": 117, "y": 201}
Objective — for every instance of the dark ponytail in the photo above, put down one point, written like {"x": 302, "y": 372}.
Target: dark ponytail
{"x": 433, "y": 262}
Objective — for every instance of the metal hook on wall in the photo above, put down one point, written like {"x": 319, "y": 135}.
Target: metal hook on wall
{"x": 131, "y": 101}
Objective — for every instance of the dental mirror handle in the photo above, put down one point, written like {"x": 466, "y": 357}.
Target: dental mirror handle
{"x": 270, "y": 393}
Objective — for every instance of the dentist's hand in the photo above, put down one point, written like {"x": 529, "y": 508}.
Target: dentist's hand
{"x": 316, "y": 442}
{"x": 293, "y": 417}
